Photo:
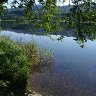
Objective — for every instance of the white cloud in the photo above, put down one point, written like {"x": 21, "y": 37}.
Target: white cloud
{"x": 60, "y": 3}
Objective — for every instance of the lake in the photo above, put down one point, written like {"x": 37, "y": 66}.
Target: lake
{"x": 73, "y": 72}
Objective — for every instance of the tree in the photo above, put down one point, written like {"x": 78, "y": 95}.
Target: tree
{"x": 2, "y": 1}
{"x": 81, "y": 16}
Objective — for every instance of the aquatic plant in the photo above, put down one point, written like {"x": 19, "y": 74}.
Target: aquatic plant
{"x": 32, "y": 51}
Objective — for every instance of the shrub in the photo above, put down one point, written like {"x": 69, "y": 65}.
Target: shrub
{"x": 14, "y": 66}
{"x": 16, "y": 61}
{"x": 33, "y": 53}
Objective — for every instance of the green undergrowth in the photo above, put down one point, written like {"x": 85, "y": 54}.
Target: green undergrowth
{"x": 16, "y": 63}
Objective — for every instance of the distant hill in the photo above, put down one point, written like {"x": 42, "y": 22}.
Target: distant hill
{"x": 16, "y": 11}
{"x": 66, "y": 8}
{"x": 20, "y": 11}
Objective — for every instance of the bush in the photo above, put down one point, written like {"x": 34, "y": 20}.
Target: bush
{"x": 14, "y": 66}
{"x": 33, "y": 53}
{"x": 16, "y": 61}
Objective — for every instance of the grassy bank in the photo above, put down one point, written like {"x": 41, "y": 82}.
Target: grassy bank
{"x": 16, "y": 62}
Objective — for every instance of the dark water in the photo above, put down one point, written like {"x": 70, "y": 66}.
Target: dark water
{"x": 73, "y": 72}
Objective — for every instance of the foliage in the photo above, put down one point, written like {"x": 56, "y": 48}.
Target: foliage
{"x": 16, "y": 62}
{"x": 14, "y": 65}
{"x": 81, "y": 17}
{"x": 3, "y": 1}
{"x": 2, "y": 8}
{"x": 44, "y": 17}
{"x": 32, "y": 51}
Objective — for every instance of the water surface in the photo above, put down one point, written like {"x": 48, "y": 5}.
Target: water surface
{"x": 73, "y": 72}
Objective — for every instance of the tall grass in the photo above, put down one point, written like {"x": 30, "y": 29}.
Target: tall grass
{"x": 16, "y": 62}
{"x": 14, "y": 65}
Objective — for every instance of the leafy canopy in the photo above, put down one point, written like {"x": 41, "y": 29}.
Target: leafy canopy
{"x": 82, "y": 16}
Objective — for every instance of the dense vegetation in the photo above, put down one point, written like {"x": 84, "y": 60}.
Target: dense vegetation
{"x": 47, "y": 17}
{"x": 14, "y": 65}
{"x": 15, "y": 59}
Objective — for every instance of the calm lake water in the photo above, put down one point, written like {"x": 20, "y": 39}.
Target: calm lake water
{"x": 73, "y": 72}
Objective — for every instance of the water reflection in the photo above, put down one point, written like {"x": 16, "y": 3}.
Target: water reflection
{"x": 73, "y": 72}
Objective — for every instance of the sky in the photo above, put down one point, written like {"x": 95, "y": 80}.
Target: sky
{"x": 59, "y": 3}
